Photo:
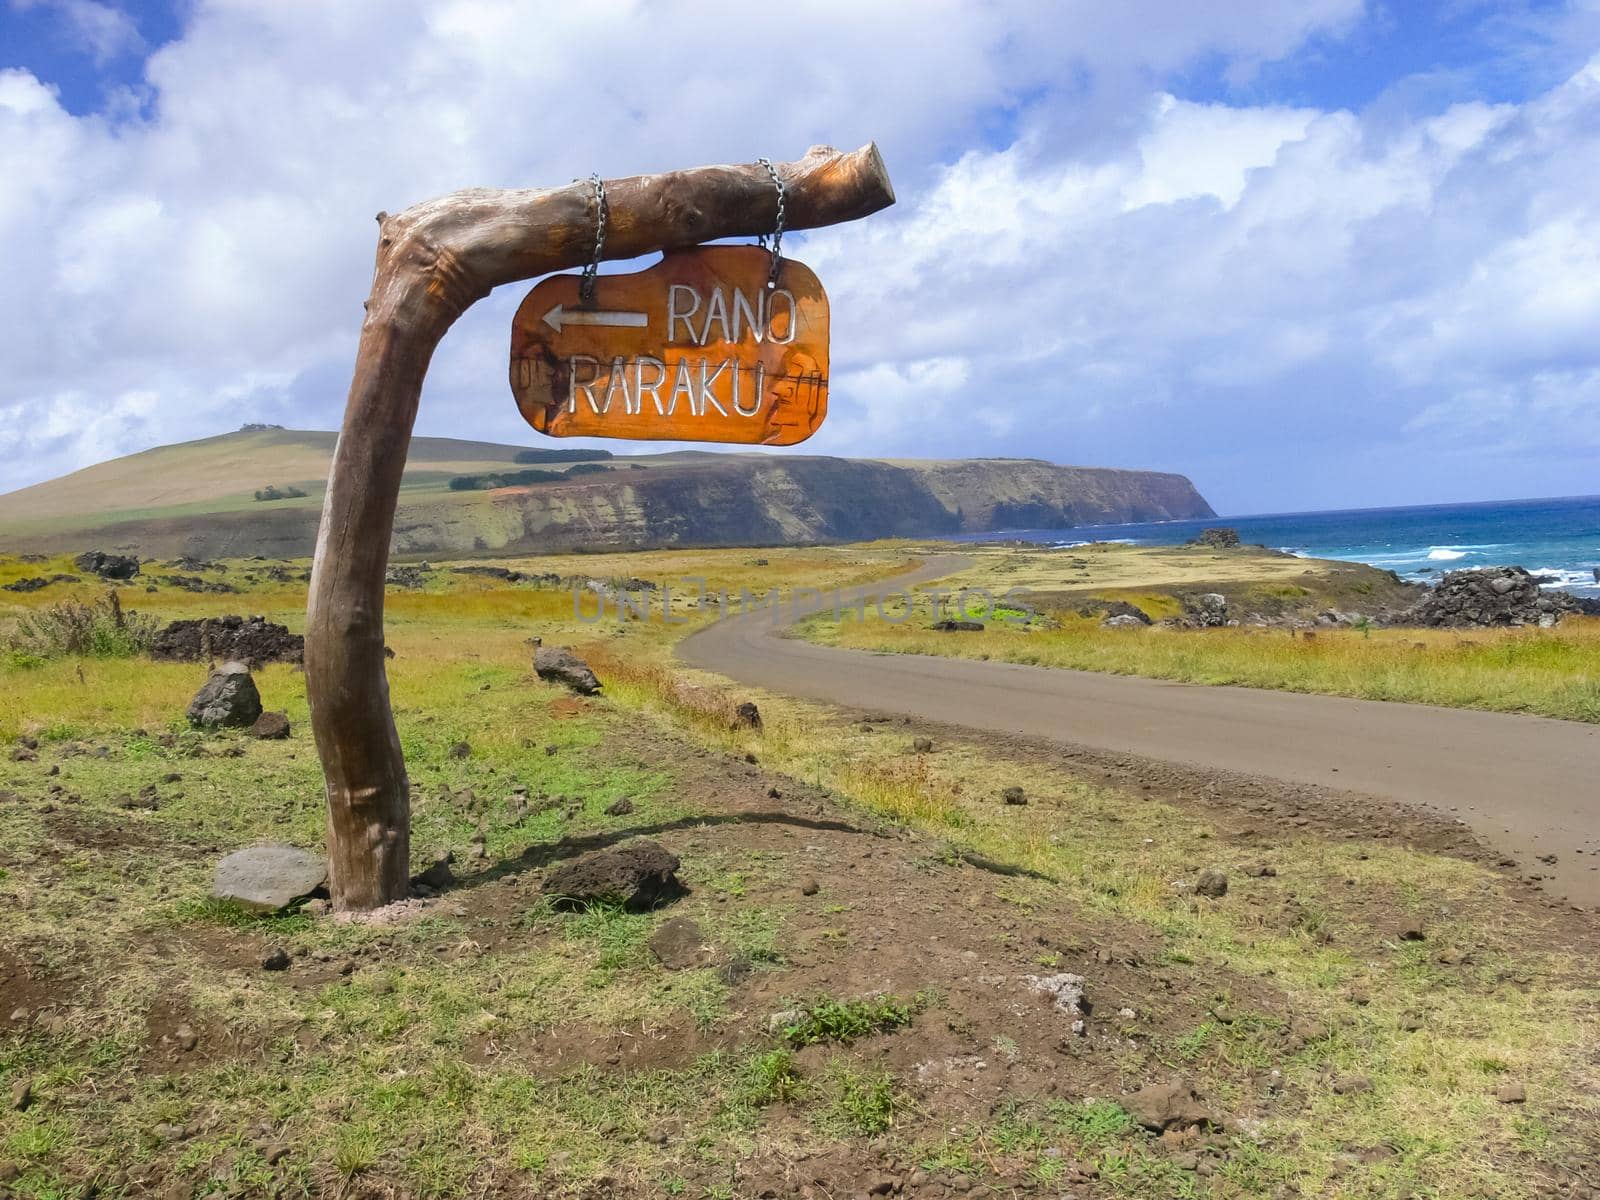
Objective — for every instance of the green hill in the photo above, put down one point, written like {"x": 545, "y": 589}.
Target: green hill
{"x": 259, "y": 491}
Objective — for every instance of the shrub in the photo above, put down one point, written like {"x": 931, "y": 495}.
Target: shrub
{"x": 525, "y": 457}
{"x": 100, "y": 630}
{"x": 287, "y": 492}
{"x": 830, "y": 1020}
{"x": 483, "y": 483}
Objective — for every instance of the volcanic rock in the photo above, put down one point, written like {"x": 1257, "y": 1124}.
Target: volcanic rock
{"x": 1219, "y": 538}
{"x": 1206, "y": 611}
{"x": 638, "y": 875}
{"x": 557, "y": 664}
{"x": 1161, "y": 1106}
{"x": 107, "y": 566}
{"x": 228, "y": 699}
{"x": 1485, "y": 596}
{"x": 253, "y": 640}
{"x": 271, "y": 726}
{"x": 267, "y": 878}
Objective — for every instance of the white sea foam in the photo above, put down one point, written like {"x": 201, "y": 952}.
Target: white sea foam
{"x": 1562, "y": 577}
{"x": 1445, "y": 554}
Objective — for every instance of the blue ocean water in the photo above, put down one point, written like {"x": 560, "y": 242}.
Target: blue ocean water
{"x": 1559, "y": 538}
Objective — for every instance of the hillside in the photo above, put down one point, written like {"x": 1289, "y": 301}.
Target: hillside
{"x": 200, "y": 498}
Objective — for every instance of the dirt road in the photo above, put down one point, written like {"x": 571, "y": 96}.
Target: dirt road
{"x": 1529, "y": 786}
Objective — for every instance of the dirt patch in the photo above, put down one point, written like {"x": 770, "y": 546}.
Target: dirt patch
{"x": 28, "y": 994}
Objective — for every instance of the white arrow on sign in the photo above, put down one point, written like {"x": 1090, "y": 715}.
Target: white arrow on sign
{"x": 559, "y": 316}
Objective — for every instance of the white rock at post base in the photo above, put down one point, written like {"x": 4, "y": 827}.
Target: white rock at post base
{"x": 267, "y": 878}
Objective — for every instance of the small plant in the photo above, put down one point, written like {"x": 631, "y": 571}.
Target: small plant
{"x": 771, "y": 1077}
{"x": 1092, "y": 1122}
{"x": 831, "y": 1020}
{"x": 859, "y": 1102}
{"x": 100, "y": 630}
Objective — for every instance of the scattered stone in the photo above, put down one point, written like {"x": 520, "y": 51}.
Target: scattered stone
{"x": 1123, "y": 621}
{"x": 1162, "y": 1106}
{"x": 680, "y": 944}
{"x": 1512, "y": 1091}
{"x": 1066, "y": 994}
{"x": 922, "y": 745}
{"x": 619, "y": 808}
{"x": 1211, "y": 883}
{"x": 23, "y": 755}
{"x": 252, "y": 640}
{"x": 1351, "y": 1085}
{"x": 1014, "y": 795}
{"x": 951, "y": 625}
{"x": 459, "y": 750}
{"x": 21, "y": 1095}
{"x": 107, "y": 566}
{"x": 228, "y": 699}
{"x": 639, "y": 875}
{"x": 810, "y": 887}
{"x": 278, "y": 960}
{"x": 269, "y": 878}
{"x": 186, "y": 1038}
{"x": 407, "y": 577}
{"x": 1412, "y": 932}
{"x": 438, "y": 874}
{"x": 557, "y": 664}
{"x": 36, "y": 582}
{"x": 1261, "y": 872}
{"x": 271, "y": 727}
{"x": 273, "y": 1153}
{"x": 747, "y": 716}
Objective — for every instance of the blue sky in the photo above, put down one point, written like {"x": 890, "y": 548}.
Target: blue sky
{"x": 1315, "y": 254}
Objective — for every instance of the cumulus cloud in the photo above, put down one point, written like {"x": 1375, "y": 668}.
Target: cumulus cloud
{"x": 1084, "y": 264}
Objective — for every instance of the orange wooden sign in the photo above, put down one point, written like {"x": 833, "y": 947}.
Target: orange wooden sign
{"x": 696, "y": 348}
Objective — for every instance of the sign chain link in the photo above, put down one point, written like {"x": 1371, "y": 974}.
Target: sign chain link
{"x": 586, "y": 284}
{"x": 777, "y": 232}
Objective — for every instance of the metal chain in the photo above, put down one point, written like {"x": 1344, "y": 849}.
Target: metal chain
{"x": 586, "y": 284}
{"x": 777, "y": 232}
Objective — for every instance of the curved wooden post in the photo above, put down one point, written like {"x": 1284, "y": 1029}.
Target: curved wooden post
{"x": 434, "y": 261}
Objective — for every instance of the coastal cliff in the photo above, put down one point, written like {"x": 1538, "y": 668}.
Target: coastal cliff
{"x": 259, "y": 492}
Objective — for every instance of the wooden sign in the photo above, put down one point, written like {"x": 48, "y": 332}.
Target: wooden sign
{"x": 696, "y": 348}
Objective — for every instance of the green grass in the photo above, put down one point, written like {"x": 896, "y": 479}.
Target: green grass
{"x": 1553, "y": 673}
{"x": 832, "y": 1020}
{"x": 437, "y": 1065}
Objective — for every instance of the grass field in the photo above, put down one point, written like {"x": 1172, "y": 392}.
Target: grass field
{"x": 1553, "y": 673}
{"x": 1349, "y": 1020}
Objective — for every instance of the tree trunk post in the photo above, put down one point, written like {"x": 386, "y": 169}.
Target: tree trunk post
{"x": 434, "y": 261}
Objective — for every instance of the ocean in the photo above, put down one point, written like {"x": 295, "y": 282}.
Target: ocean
{"x": 1559, "y": 538}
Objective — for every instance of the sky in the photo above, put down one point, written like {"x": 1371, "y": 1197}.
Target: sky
{"x": 1310, "y": 253}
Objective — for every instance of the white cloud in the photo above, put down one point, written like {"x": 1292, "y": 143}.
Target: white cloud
{"x": 1121, "y": 276}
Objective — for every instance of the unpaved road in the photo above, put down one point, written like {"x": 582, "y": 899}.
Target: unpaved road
{"x": 1530, "y": 786}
